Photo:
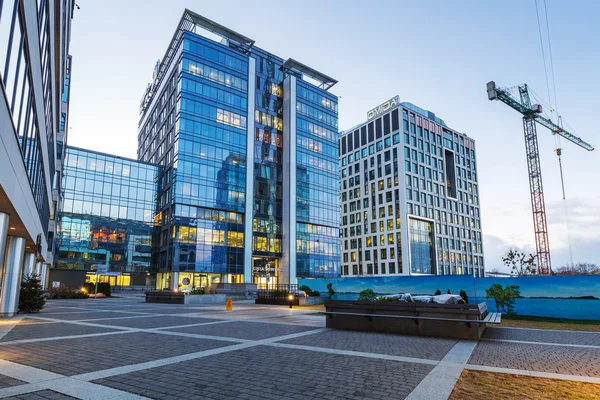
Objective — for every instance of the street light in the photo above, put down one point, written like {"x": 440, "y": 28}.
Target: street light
{"x": 291, "y": 298}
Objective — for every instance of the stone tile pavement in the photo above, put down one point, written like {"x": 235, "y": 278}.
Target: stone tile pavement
{"x": 126, "y": 349}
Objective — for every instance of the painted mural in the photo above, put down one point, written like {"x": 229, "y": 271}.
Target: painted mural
{"x": 574, "y": 297}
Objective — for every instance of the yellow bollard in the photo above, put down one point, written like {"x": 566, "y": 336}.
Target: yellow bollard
{"x": 229, "y": 305}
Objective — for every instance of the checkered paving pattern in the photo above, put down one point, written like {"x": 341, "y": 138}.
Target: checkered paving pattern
{"x": 544, "y": 336}
{"x": 42, "y": 395}
{"x": 379, "y": 343}
{"x": 533, "y": 357}
{"x": 275, "y": 373}
{"x": 245, "y": 330}
{"x": 38, "y": 331}
{"x": 76, "y": 356}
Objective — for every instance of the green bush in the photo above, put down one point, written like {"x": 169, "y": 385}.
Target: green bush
{"x": 386, "y": 299}
{"x": 438, "y": 292}
{"x": 367, "y": 295}
{"x": 30, "y": 298}
{"x": 330, "y": 289}
{"x": 103, "y": 287}
{"x": 64, "y": 292}
{"x": 504, "y": 297}
{"x": 464, "y": 296}
{"x": 197, "y": 291}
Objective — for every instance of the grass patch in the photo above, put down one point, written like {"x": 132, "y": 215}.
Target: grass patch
{"x": 475, "y": 385}
{"x": 524, "y": 321}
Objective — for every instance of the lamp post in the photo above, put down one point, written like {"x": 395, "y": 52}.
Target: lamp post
{"x": 291, "y": 299}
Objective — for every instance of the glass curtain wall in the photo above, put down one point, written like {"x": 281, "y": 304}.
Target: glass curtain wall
{"x": 317, "y": 209}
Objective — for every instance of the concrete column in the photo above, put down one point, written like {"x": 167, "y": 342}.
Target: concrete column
{"x": 174, "y": 280}
{"x": 4, "y": 220}
{"x": 287, "y": 273}
{"x": 249, "y": 206}
{"x": 38, "y": 269}
{"x": 13, "y": 267}
{"x": 30, "y": 263}
{"x": 44, "y": 275}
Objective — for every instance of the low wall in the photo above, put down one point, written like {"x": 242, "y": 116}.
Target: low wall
{"x": 573, "y": 297}
{"x": 204, "y": 298}
{"x": 312, "y": 300}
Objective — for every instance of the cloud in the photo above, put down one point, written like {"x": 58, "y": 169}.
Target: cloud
{"x": 584, "y": 249}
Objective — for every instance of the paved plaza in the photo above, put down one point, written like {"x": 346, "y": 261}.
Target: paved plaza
{"x": 123, "y": 348}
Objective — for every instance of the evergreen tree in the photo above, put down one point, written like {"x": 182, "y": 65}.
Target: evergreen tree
{"x": 30, "y": 298}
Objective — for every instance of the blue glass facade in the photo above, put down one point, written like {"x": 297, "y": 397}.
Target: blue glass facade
{"x": 213, "y": 117}
{"x": 107, "y": 213}
{"x": 317, "y": 179}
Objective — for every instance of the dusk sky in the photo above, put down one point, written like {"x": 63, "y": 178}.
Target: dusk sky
{"x": 438, "y": 55}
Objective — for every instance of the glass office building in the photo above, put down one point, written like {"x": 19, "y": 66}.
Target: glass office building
{"x": 409, "y": 195}
{"x": 34, "y": 69}
{"x": 106, "y": 217}
{"x": 248, "y": 144}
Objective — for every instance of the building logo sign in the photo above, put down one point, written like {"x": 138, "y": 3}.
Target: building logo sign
{"x": 388, "y": 105}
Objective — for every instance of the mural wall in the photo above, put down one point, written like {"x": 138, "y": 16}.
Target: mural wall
{"x": 574, "y": 297}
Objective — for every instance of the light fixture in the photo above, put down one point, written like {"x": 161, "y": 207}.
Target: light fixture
{"x": 12, "y": 228}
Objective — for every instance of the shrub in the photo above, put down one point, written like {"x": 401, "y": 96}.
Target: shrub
{"x": 449, "y": 292}
{"x": 64, "y": 292}
{"x": 384, "y": 299}
{"x": 305, "y": 289}
{"x": 464, "y": 296}
{"x": 197, "y": 291}
{"x": 330, "y": 289}
{"x": 438, "y": 292}
{"x": 504, "y": 297}
{"x": 30, "y": 298}
{"x": 103, "y": 287}
{"x": 367, "y": 295}
{"x": 462, "y": 301}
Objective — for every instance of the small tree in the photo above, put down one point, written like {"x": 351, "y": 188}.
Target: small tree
{"x": 504, "y": 297}
{"x": 30, "y": 298}
{"x": 448, "y": 292}
{"x": 438, "y": 292}
{"x": 367, "y": 295}
{"x": 330, "y": 289}
{"x": 464, "y": 296}
{"x": 520, "y": 263}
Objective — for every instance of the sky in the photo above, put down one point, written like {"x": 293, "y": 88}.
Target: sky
{"x": 436, "y": 54}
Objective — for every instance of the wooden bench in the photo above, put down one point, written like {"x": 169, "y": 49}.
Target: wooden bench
{"x": 466, "y": 321}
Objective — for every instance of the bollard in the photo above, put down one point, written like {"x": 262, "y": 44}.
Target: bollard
{"x": 229, "y": 305}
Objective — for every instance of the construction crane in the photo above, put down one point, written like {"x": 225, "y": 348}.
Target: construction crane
{"x": 531, "y": 115}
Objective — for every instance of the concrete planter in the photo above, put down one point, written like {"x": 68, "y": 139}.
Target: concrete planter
{"x": 204, "y": 298}
{"x": 312, "y": 300}
{"x": 421, "y": 327}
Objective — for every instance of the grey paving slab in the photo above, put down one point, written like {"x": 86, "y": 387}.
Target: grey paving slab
{"x": 538, "y": 357}
{"x": 274, "y": 373}
{"x": 7, "y": 381}
{"x": 379, "y": 343}
{"x": 544, "y": 336}
{"x": 74, "y": 316}
{"x": 53, "y": 329}
{"x": 245, "y": 330}
{"x": 153, "y": 321}
{"x": 75, "y": 356}
{"x": 42, "y": 395}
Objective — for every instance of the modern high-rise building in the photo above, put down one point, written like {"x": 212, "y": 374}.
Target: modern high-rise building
{"x": 34, "y": 72}
{"x": 106, "y": 220}
{"x": 409, "y": 195}
{"x": 248, "y": 143}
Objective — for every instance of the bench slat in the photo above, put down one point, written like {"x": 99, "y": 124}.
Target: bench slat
{"x": 474, "y": 321}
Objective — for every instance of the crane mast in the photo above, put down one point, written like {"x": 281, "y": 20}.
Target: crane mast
{"x": 531, "y": 115}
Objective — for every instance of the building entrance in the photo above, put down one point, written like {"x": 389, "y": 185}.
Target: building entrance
{"x": 265, "y": 272}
